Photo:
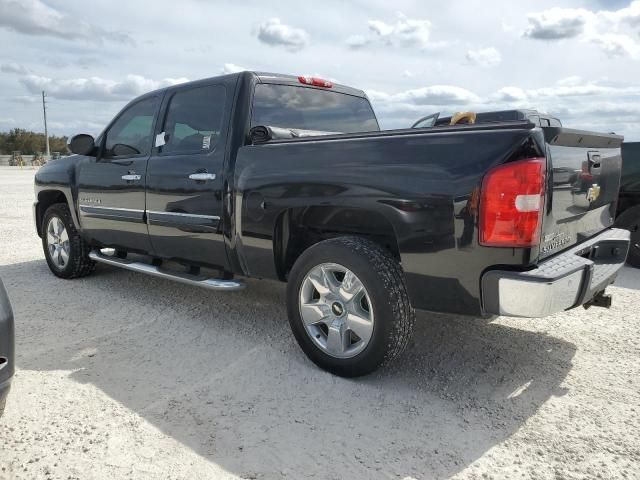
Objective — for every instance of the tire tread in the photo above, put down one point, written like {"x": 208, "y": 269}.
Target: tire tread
{"x": 399, "y": 316}
{"x": 391, "y": 272}
{"x": 82, "y": 265}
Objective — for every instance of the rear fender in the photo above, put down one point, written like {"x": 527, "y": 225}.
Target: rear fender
{"x": 299, "y": 228}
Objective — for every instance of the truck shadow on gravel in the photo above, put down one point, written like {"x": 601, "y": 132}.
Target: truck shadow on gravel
{"x": 629, "y": 277}
{"x": 221, "y": 373}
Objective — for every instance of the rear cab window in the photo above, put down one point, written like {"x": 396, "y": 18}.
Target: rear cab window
{"x": 193, "y": 120}
{"x": 305, "y": 108}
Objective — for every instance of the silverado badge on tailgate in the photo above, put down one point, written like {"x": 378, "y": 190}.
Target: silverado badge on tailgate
{"x": 554, "y": 241}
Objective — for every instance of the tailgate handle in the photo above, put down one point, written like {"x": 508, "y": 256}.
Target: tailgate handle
{"x": 594, "y": 160}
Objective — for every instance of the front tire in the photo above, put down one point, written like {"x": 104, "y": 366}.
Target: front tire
{"x": 630, "y": 220}
{"x": 348, "y": 306}
{"x": 67, "y": 254}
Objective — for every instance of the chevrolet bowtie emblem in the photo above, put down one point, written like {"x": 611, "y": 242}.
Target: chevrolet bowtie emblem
{"x": 593, "y": 193}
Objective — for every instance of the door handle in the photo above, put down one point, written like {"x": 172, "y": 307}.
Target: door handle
{"x": 130, "y": 177}
{"x": 202, "y": 177}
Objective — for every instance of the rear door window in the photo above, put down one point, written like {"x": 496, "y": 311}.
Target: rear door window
{"x": 306, "y": 108}
{"x": 193, "y": 120}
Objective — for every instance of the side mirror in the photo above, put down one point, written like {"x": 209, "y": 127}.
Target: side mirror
{"x": 81, "y": 144}
{"x": 120, "y": 149}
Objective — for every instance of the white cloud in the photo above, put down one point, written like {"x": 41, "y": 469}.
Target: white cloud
{"x": 617, "y": 45}
{"x": 567, "y": 88}
{"x": 96, "y": 88}
{"x": 558, "y": 23}
{"x": 607, "y": 107}
{"x": 432, "y": 95}
{"x": 484, "y": 57}
{"x": 506, "y": 26}
{"x": 608, "y": 29}
{"x": 582, "y": 90}
{"x": 275, "y": 33}
{"x": 405, "y": 32}
{"x": 525, "y": 78}
{"x": 407, "y": 74}
{"x": 510, "y": 94}
{"x": 357, "y": 41}
{"x": 570, "y": 81}
{"x": 26, "y": 99}
{"x": 627, "y": 16}
{"x": 34, "y": 17}
{"x": 228, "y": 68}
{"x": 14, "y": 68}
{"x": 438, "y": 95}
{"x": 8, "y": 122}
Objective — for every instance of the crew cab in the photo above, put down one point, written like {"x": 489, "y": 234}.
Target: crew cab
{"x": 290, "y": 178}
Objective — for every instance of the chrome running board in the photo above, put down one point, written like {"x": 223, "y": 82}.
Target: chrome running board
{"x": 197, "y": 280}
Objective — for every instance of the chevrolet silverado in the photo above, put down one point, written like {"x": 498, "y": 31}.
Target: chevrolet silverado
{"x": 290, "y": 178}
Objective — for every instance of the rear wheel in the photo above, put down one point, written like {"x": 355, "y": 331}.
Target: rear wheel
{"x": 630, "y": 220}
{"x": 348, "y": 306}
{"x": 67, "y": 254}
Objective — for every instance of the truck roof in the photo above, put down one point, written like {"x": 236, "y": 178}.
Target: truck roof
{"x": 266, "y": 77}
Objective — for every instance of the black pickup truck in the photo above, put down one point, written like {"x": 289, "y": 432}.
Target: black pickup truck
{"x": 290, "y": 178}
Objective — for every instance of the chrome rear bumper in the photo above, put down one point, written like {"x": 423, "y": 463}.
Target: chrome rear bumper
{"x": 567, "y": 280}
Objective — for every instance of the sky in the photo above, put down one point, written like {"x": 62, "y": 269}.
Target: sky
{"x": 577, "y": 60}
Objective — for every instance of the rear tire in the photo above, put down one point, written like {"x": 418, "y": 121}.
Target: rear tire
{"x": 630, "y": 220}
{"x": 67, "y": 253}
{"x": 360, "y": 316}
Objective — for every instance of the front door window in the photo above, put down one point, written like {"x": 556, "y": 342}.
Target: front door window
{"x": 131, "y": 133}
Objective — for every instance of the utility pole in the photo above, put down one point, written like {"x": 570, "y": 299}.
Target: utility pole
{"x": 46, "y": 132}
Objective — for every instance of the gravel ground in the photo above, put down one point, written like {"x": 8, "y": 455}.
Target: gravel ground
{"x": 125, "y": 376}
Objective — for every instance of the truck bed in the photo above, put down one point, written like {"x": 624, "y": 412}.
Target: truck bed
{"x": 422, "y": 182}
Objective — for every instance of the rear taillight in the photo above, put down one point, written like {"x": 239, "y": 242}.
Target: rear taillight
{"x": 511, "y": 204}
{"x": 316, "y": 82}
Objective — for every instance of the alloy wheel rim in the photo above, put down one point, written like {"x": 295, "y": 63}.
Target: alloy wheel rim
{"x": 57, "y": 242}
{"x": 336, "y": 310}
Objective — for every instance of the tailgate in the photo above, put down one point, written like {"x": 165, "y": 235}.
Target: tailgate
{"x": 584, "y": 182}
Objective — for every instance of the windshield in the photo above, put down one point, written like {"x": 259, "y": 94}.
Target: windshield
{"x": 304, "y": 108}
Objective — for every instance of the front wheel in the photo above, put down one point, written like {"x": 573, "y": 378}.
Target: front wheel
{"x": 66, "y": 252}
{"x": 348, "y": 306}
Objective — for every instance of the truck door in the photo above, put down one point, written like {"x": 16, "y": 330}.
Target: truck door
{"x": 184, "y": 195}
{"x": 111, "y": 187}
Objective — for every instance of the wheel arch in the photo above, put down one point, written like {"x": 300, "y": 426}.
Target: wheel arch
{"x": 296, "y": 229}
{"x": 49, "y": 197}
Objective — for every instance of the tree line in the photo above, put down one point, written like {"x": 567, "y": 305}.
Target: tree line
{"x": 28, "y": 143}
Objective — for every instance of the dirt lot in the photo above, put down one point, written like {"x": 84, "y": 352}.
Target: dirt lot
{"x": 125, "y": 376}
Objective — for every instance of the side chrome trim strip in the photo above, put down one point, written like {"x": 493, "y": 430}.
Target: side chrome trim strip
{"x": 112, "y": 208}
{"x": 112, "y": 213}
{"x": 180, "y": 214}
